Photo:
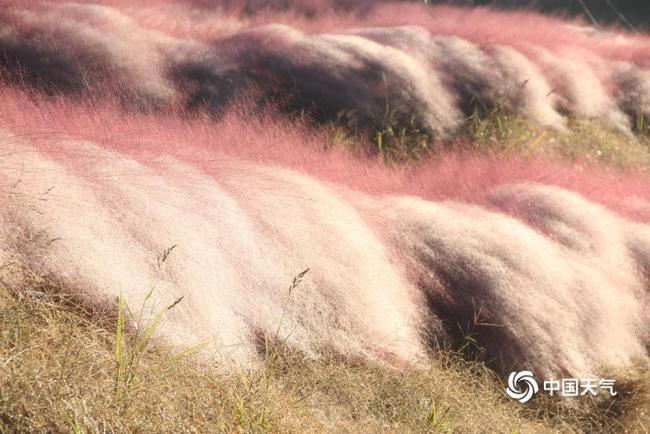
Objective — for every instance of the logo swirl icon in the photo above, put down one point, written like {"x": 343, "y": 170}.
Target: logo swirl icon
{"x": 528, "y": 385}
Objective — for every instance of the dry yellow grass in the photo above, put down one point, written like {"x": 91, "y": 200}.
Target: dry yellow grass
{"x": 58, "y": 373}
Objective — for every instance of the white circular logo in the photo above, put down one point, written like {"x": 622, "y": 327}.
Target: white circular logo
{"x": 528, "y": 385}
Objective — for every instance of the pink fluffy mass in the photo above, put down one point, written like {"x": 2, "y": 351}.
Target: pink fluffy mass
{"x": 429, "y": 66}
{"x": 546, "y": 263}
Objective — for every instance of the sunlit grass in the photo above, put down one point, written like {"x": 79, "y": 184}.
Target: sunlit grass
{"x": 503, "y": 133}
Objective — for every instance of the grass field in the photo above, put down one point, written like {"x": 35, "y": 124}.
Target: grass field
{"x": 467, "y": 191}
{"x": 59, "y": 373}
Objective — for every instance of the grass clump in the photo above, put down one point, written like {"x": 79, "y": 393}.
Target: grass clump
{"x": 392, "y": 136}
